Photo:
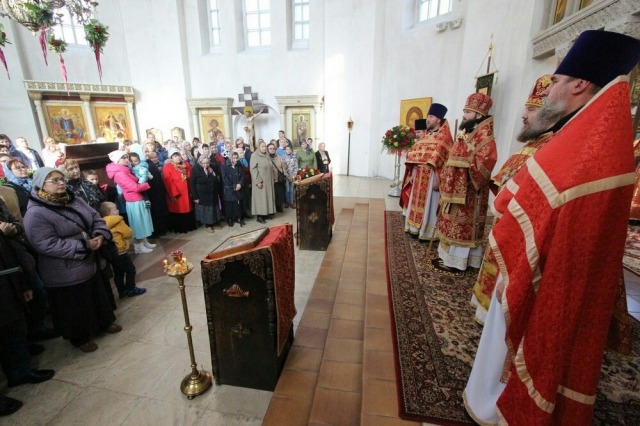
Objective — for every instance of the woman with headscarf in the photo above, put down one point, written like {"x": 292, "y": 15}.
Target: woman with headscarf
{"x": 322, "y": 158}
{"x": 80, "y": 186}
{"x": 138, "y": 215}
{"x": 176, "y": 175}
{"x": 16, "y": 174}
{"x": 157, "y": 196}
{"x": 291, "y": 171}
{"x": 67, "y": 233}
{"x": 243, "y": 163}
{"x": 205, "y": 191}
{"x": 263, "y": 200}
{"x": 278, "y": 170}
{"x": 306, "y": 157}
{"x": 233, "y": 182}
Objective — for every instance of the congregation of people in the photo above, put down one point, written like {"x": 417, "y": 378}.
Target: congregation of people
{"x": 65, "y": 234}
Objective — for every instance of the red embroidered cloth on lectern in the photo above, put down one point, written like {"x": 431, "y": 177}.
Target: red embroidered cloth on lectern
{"x": 464, "y": 189}
{"x": 559, "y": 245}
{"x": 429, "y": 153}
{"x": 280, "y": 241}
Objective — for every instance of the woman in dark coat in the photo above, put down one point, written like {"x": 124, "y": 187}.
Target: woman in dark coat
{"x": 66, "y": 233}
{"x": 157, "y": 197}
{"x": 233, "y": 181}
{"x": 205, "y": 191}
{"x": 322, "y": 158}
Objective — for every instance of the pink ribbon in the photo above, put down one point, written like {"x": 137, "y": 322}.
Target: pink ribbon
{"x": 64, "y": 73}
{"x": 96, "y": 50}
{"x": 43, "y": 43}
{"x": 4, "y": 61}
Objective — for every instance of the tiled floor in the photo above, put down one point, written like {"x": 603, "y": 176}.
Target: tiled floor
{"x": 134, "y": 377}
{"x": 340, "y": 370}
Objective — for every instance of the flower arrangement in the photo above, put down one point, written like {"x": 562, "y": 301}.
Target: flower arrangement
{"x": 307, "y": 172}
{"x": 398, "y": 139}
{"x": 40, "y": 16}
{"x": 3, "y": 42}
{"x": 59, "y": 46}
{"x": 97, "y": 35}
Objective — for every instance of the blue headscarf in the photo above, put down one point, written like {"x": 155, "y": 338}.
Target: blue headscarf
{"x": 23, "y": 182}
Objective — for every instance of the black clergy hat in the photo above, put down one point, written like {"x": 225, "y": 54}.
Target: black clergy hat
{"x": 421, "y": 124}
{"x": 438, "y": 110}
{"x": 600, "y": 56}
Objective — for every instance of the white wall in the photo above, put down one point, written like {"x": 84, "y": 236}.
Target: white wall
{"x": 363, "y": 57}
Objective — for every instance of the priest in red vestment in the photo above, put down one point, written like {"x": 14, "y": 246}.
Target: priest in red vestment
{"x": 424, "y": 160}
{"x": 464, "y": 187}
{"x": 559, "y": 245}
{"x": 535, "y": 138}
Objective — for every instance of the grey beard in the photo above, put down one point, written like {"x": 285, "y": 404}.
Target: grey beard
{"x": 532, "y": 131}
{"x": 548, "y": 115}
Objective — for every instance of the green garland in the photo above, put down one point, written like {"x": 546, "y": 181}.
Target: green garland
{"x": 57, "y": 45}
{"x": 96, "y": 34}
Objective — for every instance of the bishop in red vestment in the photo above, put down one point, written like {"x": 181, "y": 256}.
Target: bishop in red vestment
{"x": 464, "y": 187}
{"x": 559, "y": 244}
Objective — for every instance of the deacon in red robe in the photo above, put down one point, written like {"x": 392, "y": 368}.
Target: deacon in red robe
{"x": 535, "y": 138}
{"x": 424, "y": 160}
{"x": 464, "y": 187}
{"x": 559, "y": 245}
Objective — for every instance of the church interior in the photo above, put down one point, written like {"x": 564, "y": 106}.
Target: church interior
{"x": 341, "y": 72}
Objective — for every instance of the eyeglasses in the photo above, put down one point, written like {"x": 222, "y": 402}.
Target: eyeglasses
{"x": 56, "y": 180}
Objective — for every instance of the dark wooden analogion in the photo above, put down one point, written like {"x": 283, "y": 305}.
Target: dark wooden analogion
{"x": 93, "y": 156}
{"x": 314, "y": 212}
{"x": 250, "y": 310}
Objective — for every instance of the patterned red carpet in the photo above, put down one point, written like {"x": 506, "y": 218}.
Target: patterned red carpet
{"x": 435, "y": 340}
{"x": 631, "y": 259}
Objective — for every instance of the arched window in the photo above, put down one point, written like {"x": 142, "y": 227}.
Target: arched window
{"x": 258, "y": 23}
{"x": 214, "y": 22}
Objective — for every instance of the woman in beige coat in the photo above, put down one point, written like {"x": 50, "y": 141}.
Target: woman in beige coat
{"x": 263, "y": 201}
{"x": 278, "y": 166}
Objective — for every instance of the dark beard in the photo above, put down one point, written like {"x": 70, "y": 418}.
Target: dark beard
{"x": 469, "y": 125}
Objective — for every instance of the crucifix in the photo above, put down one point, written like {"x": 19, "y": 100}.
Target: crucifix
{"x": 248, "y": 112}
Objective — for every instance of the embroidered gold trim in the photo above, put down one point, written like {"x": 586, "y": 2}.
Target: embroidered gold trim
{"x": 600, "y": 185}
{"x": 577, "y": 396}
{"x": 527, "y": 380}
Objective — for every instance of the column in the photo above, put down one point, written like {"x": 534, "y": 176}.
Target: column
{"x": 283, "y": 120}
{"x": 89, "y": 116}
{"x": 228, "y": 123}
{"x": 36, "y": 97}
{"x": 319, "y": 113}
{"x": 197, "y": 131}
{"x": 132, "y": 119}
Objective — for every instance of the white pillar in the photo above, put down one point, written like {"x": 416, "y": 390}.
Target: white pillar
{"x": 132, "y": 118}
{"x": 36, "y": 97}
{"x": 196, "y": 125}
{"x": 319, "y": 123}
{"x": 228, "y": 123}
{"x": 87, "y": 113}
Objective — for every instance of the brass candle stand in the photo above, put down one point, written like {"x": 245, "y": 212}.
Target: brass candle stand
{"x": 197, "y": 382}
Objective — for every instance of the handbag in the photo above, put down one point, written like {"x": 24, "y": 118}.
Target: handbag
{"x": 281, "y": 177}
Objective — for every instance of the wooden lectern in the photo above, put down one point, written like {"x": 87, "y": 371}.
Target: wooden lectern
{"x": 314, "y": 212}
{"x": 249, "y": 285}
